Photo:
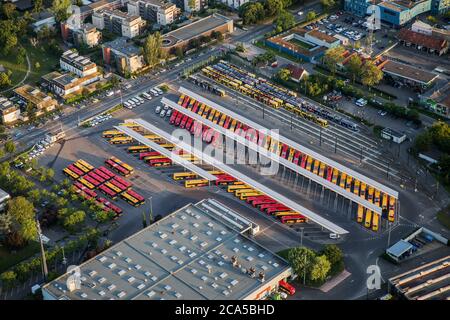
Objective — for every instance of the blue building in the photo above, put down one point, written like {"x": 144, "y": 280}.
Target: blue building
{"x": 398, "y": 12}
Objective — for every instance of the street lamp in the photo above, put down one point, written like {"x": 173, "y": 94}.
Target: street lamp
{"x": 151, "y": 209}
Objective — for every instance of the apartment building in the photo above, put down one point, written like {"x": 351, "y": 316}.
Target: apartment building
{"x": 36, "y": 98}
{"x": 118, "y": 22}
{"x": 235, "y": 4}
{"x": 86, "y": 34}
{"x": 157, "y": 11}
{"x": 79, "y": 65}
{"x": 9, "y": 111}
{"x": 65, "y": 84}
{"x": 123, "y": 55}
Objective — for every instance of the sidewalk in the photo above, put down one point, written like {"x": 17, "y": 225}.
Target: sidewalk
{"x": 335, "y": 281}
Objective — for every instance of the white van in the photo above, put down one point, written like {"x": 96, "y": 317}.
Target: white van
{"x": 159, "y": 90}
{"x": 155, "y": 93}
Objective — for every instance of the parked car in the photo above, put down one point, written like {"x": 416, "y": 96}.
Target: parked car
{"x": 158, "y": 109}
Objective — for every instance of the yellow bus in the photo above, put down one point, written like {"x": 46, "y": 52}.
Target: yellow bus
{"x": 216, "y": 172}
{"x": 113, "y": 187}
{"x": 267, "y": 142}
{"x": 112, "y": 134}
{"x": 86, "y": 183}
{"x": 216, "y": 117}
{"x": 234, "y": 186}
{"x": 316, "y": 166}
{"x": 211, "y": 115}
{"x": 151, "y": 136}
{"x": 222, "y": 120}
{"x": 377, "y": 199}
{"x": 168, "y": 146}
{"x": 342, "y": 180}
{"x": 238, "y": 192}
{"x": 285, "y": 213}
{"x": 245, "y": 195}
{"x": 362, "y": 192}
{"x": 233, "y": 125}
{"x": 132, "y": 126}
{"x": 322, "y": 169}
{"x": 375, "y": 222}
{"x": 202, "y": 108}
{"x": 87, "y": 165}
{"x": 391, "y": 213}
{"x": 348, "y": 183}
{"x": 335, "y": 176}
{"x": 370, "y": 194}
{"x": 309, "y": 162}
{"x": 70, "y": 173}
{"x": 184, "y": 175}
{"x": 181, "y": 99}
{"x": 121, "y": 140}
{"x": 322, "y": 122}
{"x": 81, "y": 167}
{"x": 275, "y": 146}
{"x": 356, "y": 187}
{"x": 196, "y": 183}
{"x": 291, "y": 154}
{"x": 189, "y": 157}
{"x": 131, "y": 200}
{"x": 137, "y": 149}
{"x": 205, "y": 113}
{"x": 368, "y": 218}
{"x": 360, "y": 213}
{"x": 155, "y": 157}
{"x": 384, "y": 202}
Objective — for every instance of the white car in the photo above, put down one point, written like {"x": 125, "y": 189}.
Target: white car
{"x": 162, "y": 114}
{"x": 110, "y": 93}
{"x": 361, "y": 102}
{"x": 158, "y": 109}
{"x": 169, "y": 113}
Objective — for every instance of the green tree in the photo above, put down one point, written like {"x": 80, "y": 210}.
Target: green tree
{"x": 8, "y": 10}
{"x": 153, "y": 49}
{"x": 320, "y": 268}
{"x": 432, "y": 19}
{"x": 311, "y": 15}
{"x": 5, "y": 81}
{"x": 440, "y": 133}
{"x": 371, "y": 75}
{"x": 354, "y": 67}
{"x": 24, "y": 224}
{"x": 301, "y": 260}
{"x": 252, "y": 12}
{"x": 332, "y": 57}
{"x": 21, "y": 54}
{"x": 179, "y": 52}
{"x": 37, "y": 65}
{"x": 273, "y": 7}
{"x": 10, "y": 147}
{"x": 73, "y": 220}
{"x": 240, "y": 47}
{"x": 10, "y": 43}
{"x": 8, "y": 279}
{"x": 37, "y": 6}
{"x": 285, "y": 20}
{"x": 50, "y": 173}
{"x": 60, "y": 9}
{"x": 191, "y": 4}
{"x": 335, "y": 256}
{"x": 423, "y": 142}
{"x": 284, "y": 74}
{"x": 328, "y": 4}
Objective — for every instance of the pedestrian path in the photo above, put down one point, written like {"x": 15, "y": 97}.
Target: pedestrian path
{"x": 335, "y": 281}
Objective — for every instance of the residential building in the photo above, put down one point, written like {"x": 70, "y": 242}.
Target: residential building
{"x": 90, "y": 9}
{"x": 79, "y": 65}
{"x": 87, "y": 34}
{"x": 202, "y": 27}
{"x": 157, "y": 11}
{"x": 397, "y": 12}
{"x": 297, "y": 73}
{"x": 118, "y": 22}
{"x": 424, "y": 28}
{"x": 123, "y": 55}
{"x": 4, "y": 197}
{"x": 235, "y": 4}
{"x": 437, "y": 99}
{"x": 44, "y": 18}
{"x": 36, "y": 98}
{"x": 64, "y": 84}
{"x": 423, "y": 42}
{"x": 10, "y": 112}
{"x": 198, "y": 252}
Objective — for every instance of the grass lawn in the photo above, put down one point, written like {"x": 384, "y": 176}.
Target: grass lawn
{"x": 443, "y": 217}
{"x": 261, "y": 45}
{"x": 9, "y": 63}
{"x": 8, "y": 259}
{"x": 301, "y": 44}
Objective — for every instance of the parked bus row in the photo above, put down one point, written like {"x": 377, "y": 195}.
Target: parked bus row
{"x": 119, "y": 166}
{"x": 270, "y": 94}
{"x": 284, "y": 151}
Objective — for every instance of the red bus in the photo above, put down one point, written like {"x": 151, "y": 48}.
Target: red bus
{"x": 118, "y": 184}
{"x": 173, "y": 117}
{"x": 75, "y": 170}
{"x": 303, "y": 163}
{"x": 275, "y": 209}
{"x": 329, "y": 173}
{"x": 82, "y": 188}
{"x": 284, "y": 286}
{"x": 238, "y": 128}
{"x": 227, "y": 123}
{"x": 112, "y": 194}
{"x": 198, "y": 129}
{"x": 225, "y": 180}
{"x": 148, "y": 154}
{"x": 284, "y": 151}
{"x": 117, "y": 167}
{"x": 268, "y": 205}
{"x": 186, "y": 101}
{"x": 79, "y": 186}
{"x": 136, "y": 195}
{"x": 123, "y": 182}
{"x": 106, "y": 172}
{"x": 216, "y": 139}
{"x": 183, "y": 122}
{"x": 160, "y": 162}
{"x": 189, "y": 123}
{"x": 195, "y": 107}
{"x": 266, "y": 201}
{"x": 296, "y": 157}
{"x": 92, "y": 180}
{"x": 251, "y": 199}
{"x": 296, "y": 218}
{"x": 95, "y": 176}
{"x": 178, "y": 119}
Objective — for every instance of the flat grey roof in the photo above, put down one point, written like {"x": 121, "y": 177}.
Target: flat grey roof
{"x": 252, "y": 183}
{"x": 399, "y": 248}
{"x": 4, "y": 195}
{"x": 123, "y": 46}
{"x": 291, "y": 143}
{"x": 186, "y": 255}
{"x": 409, "y": 72}
{"x": 198, "y": 27}
{"x": 393, "y": 133}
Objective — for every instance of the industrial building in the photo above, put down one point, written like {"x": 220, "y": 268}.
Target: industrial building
{"x": 199, "y": 252}
{"x": 427, "y": 282}
{"x": 203, "y": 27}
